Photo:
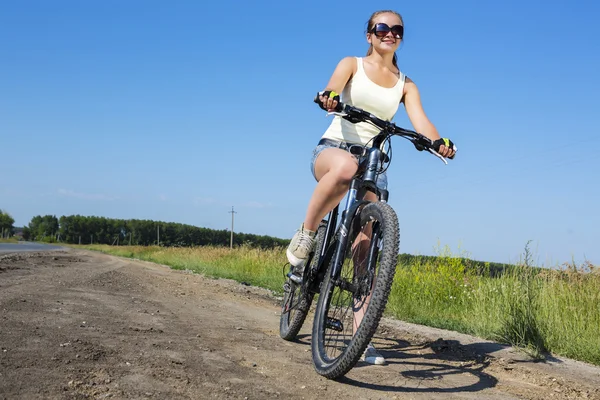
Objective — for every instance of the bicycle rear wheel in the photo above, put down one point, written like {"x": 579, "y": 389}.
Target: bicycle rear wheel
{"x": 340, "y": 335}
{"x": 298, "y": 298}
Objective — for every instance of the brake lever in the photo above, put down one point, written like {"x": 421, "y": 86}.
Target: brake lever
{"x": 438, "y": 155}
{"x": 338, "y": 113}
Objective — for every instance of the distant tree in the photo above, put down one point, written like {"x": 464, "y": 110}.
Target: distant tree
{"x": 26, "y": 233}
{"x": 6, "y": 224}
{"x": 43, "y": 228}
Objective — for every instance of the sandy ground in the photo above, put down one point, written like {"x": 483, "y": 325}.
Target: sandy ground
{"x": 77, "y": 324}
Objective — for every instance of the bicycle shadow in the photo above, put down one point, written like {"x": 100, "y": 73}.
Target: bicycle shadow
{"x": 304, "y": 339}
{"x": 442, "y": 366}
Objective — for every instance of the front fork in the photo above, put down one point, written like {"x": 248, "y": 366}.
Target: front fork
{"x": 352, "y": 205}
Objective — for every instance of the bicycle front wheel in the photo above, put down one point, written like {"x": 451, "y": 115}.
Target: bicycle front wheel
{"x": 350, "y": 305}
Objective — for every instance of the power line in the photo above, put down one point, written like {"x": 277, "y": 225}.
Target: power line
{"x": 232, "y": 212}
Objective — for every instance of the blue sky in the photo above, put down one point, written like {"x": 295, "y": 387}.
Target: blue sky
{"x": 177, "y": 111}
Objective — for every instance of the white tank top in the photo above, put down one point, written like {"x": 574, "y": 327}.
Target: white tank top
{"x": 363, "y": 93}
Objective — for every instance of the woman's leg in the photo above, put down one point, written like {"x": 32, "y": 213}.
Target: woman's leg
{"x": 360, "y": 252}
{"x": 334, "y": 170}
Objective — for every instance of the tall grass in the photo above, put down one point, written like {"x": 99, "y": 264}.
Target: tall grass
{"x": 536, "y": 309}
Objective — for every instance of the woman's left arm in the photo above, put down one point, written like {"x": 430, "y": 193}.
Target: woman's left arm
{"x": 416, "y": 114}
{"x": 422, "y": 124}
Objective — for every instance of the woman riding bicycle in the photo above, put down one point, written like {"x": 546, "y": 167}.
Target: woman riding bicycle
{"x": 375, "y": 84}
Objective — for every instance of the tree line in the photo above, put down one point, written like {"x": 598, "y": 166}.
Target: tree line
{"x": 77, "y": 229}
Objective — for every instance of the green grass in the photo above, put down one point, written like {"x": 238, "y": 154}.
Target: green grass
{"x": 539, "y": 310}
{"x": 244, "y": 264}
{"x": 9, "y": 240}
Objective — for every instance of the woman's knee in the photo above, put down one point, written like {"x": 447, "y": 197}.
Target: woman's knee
{"x": 344, "y": 171}
{"x": 337, "y": 163}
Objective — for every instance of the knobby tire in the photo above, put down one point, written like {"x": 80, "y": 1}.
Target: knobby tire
{"x": 324, "y": 339}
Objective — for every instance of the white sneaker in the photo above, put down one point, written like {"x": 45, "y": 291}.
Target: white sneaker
{"x": 300, "y": 247}
{"x": 372, "y": 356}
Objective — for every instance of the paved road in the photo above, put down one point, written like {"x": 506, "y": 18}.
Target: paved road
{"x": 26, "y": 246}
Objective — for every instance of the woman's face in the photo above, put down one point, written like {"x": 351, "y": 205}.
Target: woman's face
{"x": 388, "y": 33}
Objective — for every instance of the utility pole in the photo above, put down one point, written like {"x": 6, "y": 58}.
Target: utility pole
{"x": 158, "y": 234}
{"x": 231, "y": 240}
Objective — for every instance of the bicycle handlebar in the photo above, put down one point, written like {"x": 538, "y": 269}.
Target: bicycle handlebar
{"x": 355, "y": 115}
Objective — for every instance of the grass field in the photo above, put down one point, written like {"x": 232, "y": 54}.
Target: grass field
{"x": 537, "y": 309}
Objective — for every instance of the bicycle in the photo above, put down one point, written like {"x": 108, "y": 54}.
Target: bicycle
{"x": 354, "y": 262}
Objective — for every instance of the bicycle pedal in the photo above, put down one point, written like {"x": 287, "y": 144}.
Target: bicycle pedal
{"x": 334, "y": 324}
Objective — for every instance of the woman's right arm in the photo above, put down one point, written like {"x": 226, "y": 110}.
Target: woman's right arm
{"x": 345, "y": 69}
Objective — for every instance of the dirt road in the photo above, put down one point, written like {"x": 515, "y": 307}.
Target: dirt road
{"x": 76, "y": 324}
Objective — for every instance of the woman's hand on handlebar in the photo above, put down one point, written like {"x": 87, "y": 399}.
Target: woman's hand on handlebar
{"x": 328, "y": 100}
{"x": 444, "y": 147}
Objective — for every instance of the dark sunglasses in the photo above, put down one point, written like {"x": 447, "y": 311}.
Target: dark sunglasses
{"x": 381, "y": 30}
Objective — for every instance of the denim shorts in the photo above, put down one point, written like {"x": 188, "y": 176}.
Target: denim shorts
{"x": 382, "y": 181}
